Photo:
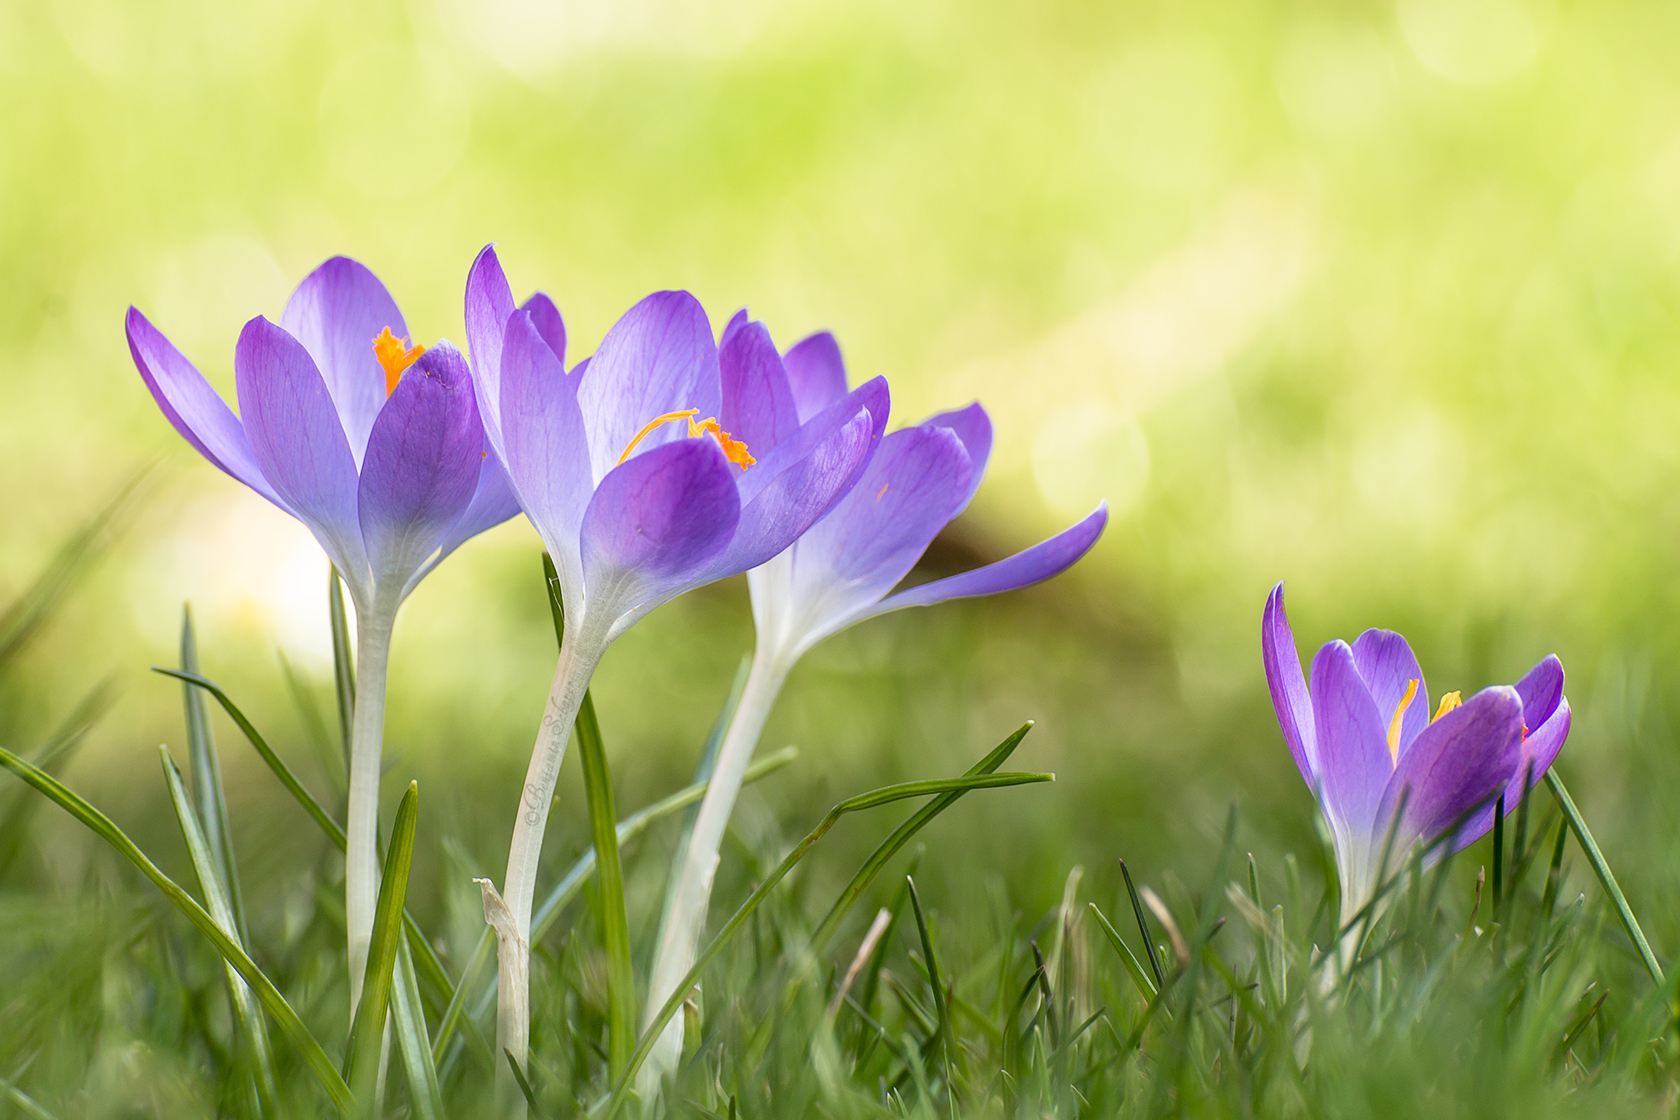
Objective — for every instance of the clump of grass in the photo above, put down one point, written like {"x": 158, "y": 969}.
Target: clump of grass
{"x": 1452, "y": 995}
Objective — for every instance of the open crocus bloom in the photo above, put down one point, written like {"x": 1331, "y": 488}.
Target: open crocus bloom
{"x": 839, "y": 573}
{"x": 376, "y": 446}
{"x": 661, "y": 463}
{"x": 1367, "y": 746}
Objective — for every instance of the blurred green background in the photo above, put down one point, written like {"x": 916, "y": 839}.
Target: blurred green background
{"x": 1376, "y": 299}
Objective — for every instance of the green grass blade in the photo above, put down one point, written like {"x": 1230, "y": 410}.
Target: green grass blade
{"x": 1127, "y": 957}
{"x": 344, "y": 665}
{"x": 901, "y": 835}
{"x": 942, "y": 1033}
{"x": 572, "y": 882}
{"x": 413, "y": 1041}
{"x": 873, "y": 799}
{"x": 217, "y": 901}
{"x": 315, "y": 725}
{"x": 24, "y": 1103}
{"x": 103, "y": 827}
{"x": 609, "y": 877}
{"x": 1606, "y": 878}
{"x": 17, "y": 805}
{"x": 367, "y": 1032}
{"x": 207, "y": 779}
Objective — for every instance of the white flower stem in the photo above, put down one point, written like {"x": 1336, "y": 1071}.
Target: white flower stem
{"x": 367, "y": 734}
{"x": 579, "y": 655}
{"x": 685, "y": 915}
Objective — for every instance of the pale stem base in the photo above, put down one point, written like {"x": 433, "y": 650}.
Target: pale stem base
{"x": 685, "y": 916}
{"x": 367, "y": 733}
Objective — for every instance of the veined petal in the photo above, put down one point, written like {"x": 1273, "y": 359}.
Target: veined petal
{"x": 816, "y": 374}
{"x": 336, "y": 313}
{"x": 1388, "y": 667}
{"x": 1352, "y": 745}
{"x": 546, "y": 317}
{"x": 794, "y": 498}
{"x": 655, "y": 524}
{"x": 424, "y": 458}
{"x": 1541, "y": 689}
{"x": 195, "y": 409}
{"x": 547, "y": 452}
{"x": 658, "y": 358}
{"x": 298, "y": 441}
{"x": 757, "y": 402}
{"x": 1289, "y": 687}
{"x": 873, "y": 396}
{"x": 974, "y": 428}
{"x": 493, "y": 502}
{"x": 489, "y": 303}
{"x": 850, "y": 559}
{"x": 1457, "y": 763}
{"x": 1047, "y": 558}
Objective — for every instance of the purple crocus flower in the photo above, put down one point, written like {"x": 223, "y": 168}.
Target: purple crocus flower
{"x": 1368, "y": 748}
{"x": 839, "y": 573}
{"x": 377, "y": 447}
{"x": 657, "y": 465}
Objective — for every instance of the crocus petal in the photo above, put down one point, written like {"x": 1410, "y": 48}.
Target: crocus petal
{"x": 974, "y": 428}
{"x": 659, "y": 358}
{"x": 1388, "y": 667}
{"x": 493, "y": 502}
{"x": 336, "y": 313}
{"x": 1540, "y": 749}
{"x": 758, "y": 405}
{"x": 299, "y": 443}
{"x": 1033, "y": 565}
{"x": 655, "y": 523}
{"x": 796, "y": 497}
{"x": 1353, "y": 762}
{"x": 195, "y": 409}
{"x": 816, "y": 373}
{"x": 850, "y": 559}
{"x": 1288, "y": 687}
{"x": 488, "y": 305}
{"x": 1458, "y": 762}
{"x": 873, "y": 396}
{"x": 546, "y": 317}
{"x": 424, "y": 457}
{"x": 1541, "y": 690}
{"x": 547, "y": 454}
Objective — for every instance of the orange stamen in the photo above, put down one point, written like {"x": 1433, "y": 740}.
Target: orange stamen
{"x": 1394, "y": 724}
{"x": 395, "y": 355}
{"x": 1448, "y": 702}
{"x": 733, "y": 449}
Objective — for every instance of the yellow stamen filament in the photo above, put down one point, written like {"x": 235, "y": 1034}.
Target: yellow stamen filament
{"x": 733, "y": 449}
{"x": 395, "y": 355}
{"x": 1394, "y": 724}
{"x": 1448, "y": 702}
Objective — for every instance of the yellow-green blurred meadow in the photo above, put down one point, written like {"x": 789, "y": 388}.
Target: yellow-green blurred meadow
{"x": 1379, "y": 299}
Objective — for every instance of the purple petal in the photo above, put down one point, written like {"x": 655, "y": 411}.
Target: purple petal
{"x": 1540, "y": 749}
{"x": 493, "y": 502}
{"x": 1458, "y": 762}
{"x": 336, "y": 313}
{"x": 655, "y": 524}
{"x": 1033, "y": 565}
{"x": 1353, "y": 762}
{"x": 1387, "y": 665}
{"x": 757, "y": 402}
{"x": 424, "y": 458}
{"x": 546, "y": 317}
{"x": 658, "y": 358}
{"x": 547, "y": 454}
{"x": 489, "y": 303}
{"x": 974, "y": 428}
{"x": 816, "y": 374}
{"x": 1289, "y": 687}
{"x": 298, "y": 441}
{"x": 850, "y": 559}
{"x": 195, "y": 409}
{"x": 1541, "y": 690}
{"x": 872, "y": 395}
{"x": 793, "y": 500}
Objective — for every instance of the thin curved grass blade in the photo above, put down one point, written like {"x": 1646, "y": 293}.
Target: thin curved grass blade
{"x": 1606, "y": 878}
{"x": 273, "y": 1002}
{"x": 408, "y": 1017}
{"x": 368, "y": 1030}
